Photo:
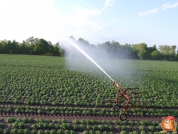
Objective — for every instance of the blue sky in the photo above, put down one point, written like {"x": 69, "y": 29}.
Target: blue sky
{"x": 125, "y": 21}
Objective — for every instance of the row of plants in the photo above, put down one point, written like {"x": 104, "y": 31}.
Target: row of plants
{"x": 83, "y": 111}
{"x": 26, "y": 124}
{"x": 27, "y": 131}
{"x": 85, "y": 122}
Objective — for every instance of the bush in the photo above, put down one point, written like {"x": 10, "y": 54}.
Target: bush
{"x": 75, "y": 126}
{"x": 143, "y": 132}
{"x": 135, "y": 132}
{"x": 6, "y": 131}
{"x": 100, "y": 127}
{"x": 151, "y": 127}
{"x": 65, "y": 125}
{"x": 46, "y": 132}
{"x": 66, "y": 132}
{"x": 97, "y": 132}
{"x": 123, "y": 132}
{"x": 91, "y": 132}
{"x": 60, "y": 131}
{"x": 40, "y": 132}
{"x": 53, "y": 131}
{"x": 24, "y": 120}
{"x": 30, "y": 120}
{"x": 144, "y": 122}
{"x": 33, "y": 131}
{"x": 85, "y": 132}
{"x": 15, "y": 124}
{"x": 14, "y": 131}
{"x": 10, "y": 120}
{"x": 26, "y": 131}
{"x": 20, "y": 131}
{"x": 72, "y": 132}
{"x": 75, "y": 121}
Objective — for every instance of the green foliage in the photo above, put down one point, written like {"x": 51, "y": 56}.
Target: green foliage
{"x": 35, "y": 46}
{"x": 10, "y": 119}
{"x": 123, "y": 132}
{"x": 30, "y": 46}
{"x": 156, "y": 54}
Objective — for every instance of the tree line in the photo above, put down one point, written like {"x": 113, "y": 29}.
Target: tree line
{"x": 30, "y": 46}
{"x": 35, "y": 46}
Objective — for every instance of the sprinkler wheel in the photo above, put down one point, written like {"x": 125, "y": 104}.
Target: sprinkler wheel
{"x": 123, "y": 117}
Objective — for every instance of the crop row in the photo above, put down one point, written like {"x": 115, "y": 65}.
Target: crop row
{"x": 53, "y": 131}
{"x": 82, "y": 121}
{"x": 83, "y": 111}
{"x": 14, "y": 125}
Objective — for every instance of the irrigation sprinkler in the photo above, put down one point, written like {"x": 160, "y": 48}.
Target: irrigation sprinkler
{"x": 122, "y": 94}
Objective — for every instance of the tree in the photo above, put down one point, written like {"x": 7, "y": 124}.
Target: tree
{"x": 14, "y": 47}
{"x": 31, "y": 40}
{"x": 126, "y": 52}
{"x": 141, "y": 50}
{"x": 150, "y": 50}
{"x": 57, "y": 51}
{"x": 81, "y": 40}
{"x": 41, "y": 47}
{"x": 5, "y": 47}
{"x": 165, "y": 49}
{"x": 173, "y": 52}
{"x": 156, "y": 55}
{"x": 142, "y": 55}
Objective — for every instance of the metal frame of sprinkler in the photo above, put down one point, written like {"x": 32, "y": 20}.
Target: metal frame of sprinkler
{"x": 123, "y": 95}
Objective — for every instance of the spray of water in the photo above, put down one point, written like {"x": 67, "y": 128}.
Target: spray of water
{"x": 87, "y": 56}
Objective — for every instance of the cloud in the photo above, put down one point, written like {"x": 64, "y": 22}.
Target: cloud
{"x": 83, "y": 19}
{"x": 155, "y": 10}
{"x": 168, "y": 5}
{"x": 163, "y": 7}
{"x": 108, "y": 3}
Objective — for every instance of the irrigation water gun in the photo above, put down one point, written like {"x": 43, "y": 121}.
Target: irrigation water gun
{"x": 114, "y": 83}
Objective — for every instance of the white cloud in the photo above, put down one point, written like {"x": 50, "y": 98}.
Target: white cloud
{"x": 155, "y": 10}
{"x": 108, "y": 3}
{"x": 83, "y": 19}
{"x": 168, "y": 5}
{"x": 163, "y": 7}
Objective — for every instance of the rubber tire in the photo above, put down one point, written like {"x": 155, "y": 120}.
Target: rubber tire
{"x": 121, "y": 118}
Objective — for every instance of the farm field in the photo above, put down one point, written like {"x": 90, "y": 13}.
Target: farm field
{"x": 39, "y": 94}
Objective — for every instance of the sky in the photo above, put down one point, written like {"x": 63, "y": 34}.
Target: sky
{"x": 97, "y": 21}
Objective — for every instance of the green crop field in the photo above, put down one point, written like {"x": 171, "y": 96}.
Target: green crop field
{"x": 39, "y": 94}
